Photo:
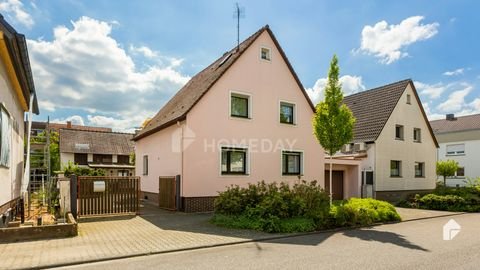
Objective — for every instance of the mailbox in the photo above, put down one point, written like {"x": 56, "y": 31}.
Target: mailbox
{"x": 99, "y": 186}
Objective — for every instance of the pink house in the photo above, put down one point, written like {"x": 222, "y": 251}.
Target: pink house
{"x": 243, "y": 119}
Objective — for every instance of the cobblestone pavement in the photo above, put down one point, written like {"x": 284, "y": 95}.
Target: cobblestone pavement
{"x": 153, "y": 231}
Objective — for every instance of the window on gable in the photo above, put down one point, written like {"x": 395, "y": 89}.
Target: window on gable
{"x": 265, "y": 54}
{"x": 287, "y": 111}
{"x": 291, "y": 163}
{"x": 234, "y": 160}
{"x": 417, "y": 135}
{"x": 395, "y": 168}
{"x": 409, "y": 99}
{"x": 240, "y": 106}
{"x": 455, "y": 149}
{"x": 419, "y": 169}
{"x": 399, "y": 132}
{"x": 5, "y": 137}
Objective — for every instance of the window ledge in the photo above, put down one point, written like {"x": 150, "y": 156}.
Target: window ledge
{"x": 240, "y": 117}
{"x": 396, "y": 176}
{"x": 417, "y": 141}
{"x": 419, "y": 176}
{"x": 453, "y": 155}
{"x": 289, "y": 124}
{"x": 399, "y": 139}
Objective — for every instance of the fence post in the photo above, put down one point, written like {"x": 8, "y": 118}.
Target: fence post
{"x": 177, "y": 193}
{"x": 73, "y": 195}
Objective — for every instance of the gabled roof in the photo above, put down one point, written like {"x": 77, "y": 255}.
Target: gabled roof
{"x": 57, "y": 126}
{"x": 372, "y": 109}
{"x": 186, "y": 98}
{"x": 462, "y": 123}
{"x": 17, "y": 50}
{"x": 95, "y": 142}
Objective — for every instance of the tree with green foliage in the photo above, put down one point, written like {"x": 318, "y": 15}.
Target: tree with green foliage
{"x": 333, "y": 121}
{"x": 37, "y": 159}
{"x": 71, "y": 168}
{"x": 446, "y": 168}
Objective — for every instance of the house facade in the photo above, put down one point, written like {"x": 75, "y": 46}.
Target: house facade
{"x": 17, "y": 96}
{"x": 459, "y": 140}
{"x": 109, "y": 151}
{"x": 243, "y": 119}
{"x": 394, "y": 149}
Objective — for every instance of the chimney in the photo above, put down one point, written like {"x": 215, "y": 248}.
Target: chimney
{"x": 451, "y": 117}
{"x": 69, "y": 124}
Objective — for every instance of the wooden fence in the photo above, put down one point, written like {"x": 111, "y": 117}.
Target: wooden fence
{"x": 102, "y": 195}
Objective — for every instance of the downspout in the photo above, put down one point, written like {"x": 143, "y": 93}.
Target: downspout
{"x": 26, "y": 174}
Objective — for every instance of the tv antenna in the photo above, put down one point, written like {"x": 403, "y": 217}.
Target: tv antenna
{"x": 239, "y": 13}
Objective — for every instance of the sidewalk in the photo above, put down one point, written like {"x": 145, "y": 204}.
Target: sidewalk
{"x": 154, "y": 231}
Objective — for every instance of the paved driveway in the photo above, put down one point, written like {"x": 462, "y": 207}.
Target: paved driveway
{"x": 153, "y": 231}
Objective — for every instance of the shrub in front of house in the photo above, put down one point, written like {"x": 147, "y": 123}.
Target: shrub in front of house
{"x": 461, "y": 199}
{"x": 356, "y": 211}
{"x": 273, "y": 207}
{"x": 300, "y": 208}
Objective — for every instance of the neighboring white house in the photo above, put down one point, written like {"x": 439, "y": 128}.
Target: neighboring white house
{"x": 16, "y": 91}
{"x": 459, "y": 139}
{"x": 394, "y": 148}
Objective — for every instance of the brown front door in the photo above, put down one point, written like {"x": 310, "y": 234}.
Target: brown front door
{"x": 337, "y": 183}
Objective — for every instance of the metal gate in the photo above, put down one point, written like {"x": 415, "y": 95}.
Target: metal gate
{"x": 101, "y": 195}
{"x": 169, "y": 192}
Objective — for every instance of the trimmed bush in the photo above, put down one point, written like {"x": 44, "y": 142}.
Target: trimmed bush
{"x": 300, "y": 208}
{"x": 356, "y": 211}
{"x": 273, "y": 207}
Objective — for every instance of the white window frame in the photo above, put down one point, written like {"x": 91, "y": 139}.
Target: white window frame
{"x": 145, "y": 165}
{"x": 269, "y": 54}
{"x": 302, "y": 162}
{"x": 243, "y": 95}
{"x": 423, "y": 170}
{"x": 402, "y": 138}
{"x": 455, "y": 153}
{"x": 7, "y": 163}
{"x": 280, "y": 102}
{"x": 247, "y": 163}
{"x": 419, "y": 139}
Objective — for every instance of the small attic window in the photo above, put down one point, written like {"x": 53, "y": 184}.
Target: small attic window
{"x": 409, "y": 99}
{"x": 265, "y": 54}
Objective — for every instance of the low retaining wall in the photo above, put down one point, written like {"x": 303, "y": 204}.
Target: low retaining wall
{"x": 398, "y": 195}
{"x": 40, "y": 232}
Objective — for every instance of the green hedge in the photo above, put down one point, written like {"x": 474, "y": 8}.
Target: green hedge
{"x": 458, "y": 199}
{"x": 300, "y": 208}
{"x": 357, "y": 211}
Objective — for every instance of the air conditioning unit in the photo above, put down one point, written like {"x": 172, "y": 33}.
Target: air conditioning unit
{"x": 358, "y": 147}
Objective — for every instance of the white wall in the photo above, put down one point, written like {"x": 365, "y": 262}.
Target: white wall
{"x": 11, "y": 176}
{"x": 470, "y": 160}
{"x": 407, "y": 151}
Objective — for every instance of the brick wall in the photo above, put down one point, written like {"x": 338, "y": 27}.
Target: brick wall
{"x": 398, "y": 195}
{"x": 198, "y": 204}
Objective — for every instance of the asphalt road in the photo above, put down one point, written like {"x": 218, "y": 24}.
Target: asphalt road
{"x": 407, "y": 245}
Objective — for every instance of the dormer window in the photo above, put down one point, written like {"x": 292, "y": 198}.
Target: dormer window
{"x": 265, "y": 54}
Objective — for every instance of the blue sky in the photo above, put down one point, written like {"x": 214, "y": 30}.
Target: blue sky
{"x": 114, "y": 63}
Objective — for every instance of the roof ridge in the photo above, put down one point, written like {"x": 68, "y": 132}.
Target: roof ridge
{"x": 462, "y": 116}
{"x": 97, "y": 131}
{"x": 381, "y": 86}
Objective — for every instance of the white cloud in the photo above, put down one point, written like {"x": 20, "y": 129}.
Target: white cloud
{"x": 84, "y": 68}
{"x": 456, "y": 100}
{"x": 432, "y": 91}
{"x": 388, "y": 42}
{"x": 430, "y": 114}
{"x": 14, "y": 11}
{"x": 46, "y": 105}
{"x": 454, "y": 72}
{"x": 144, "y": 50}
{"x": 75, "y": 119}
{"x": 123, "y": 125}
{"x": 350, "y": 85}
